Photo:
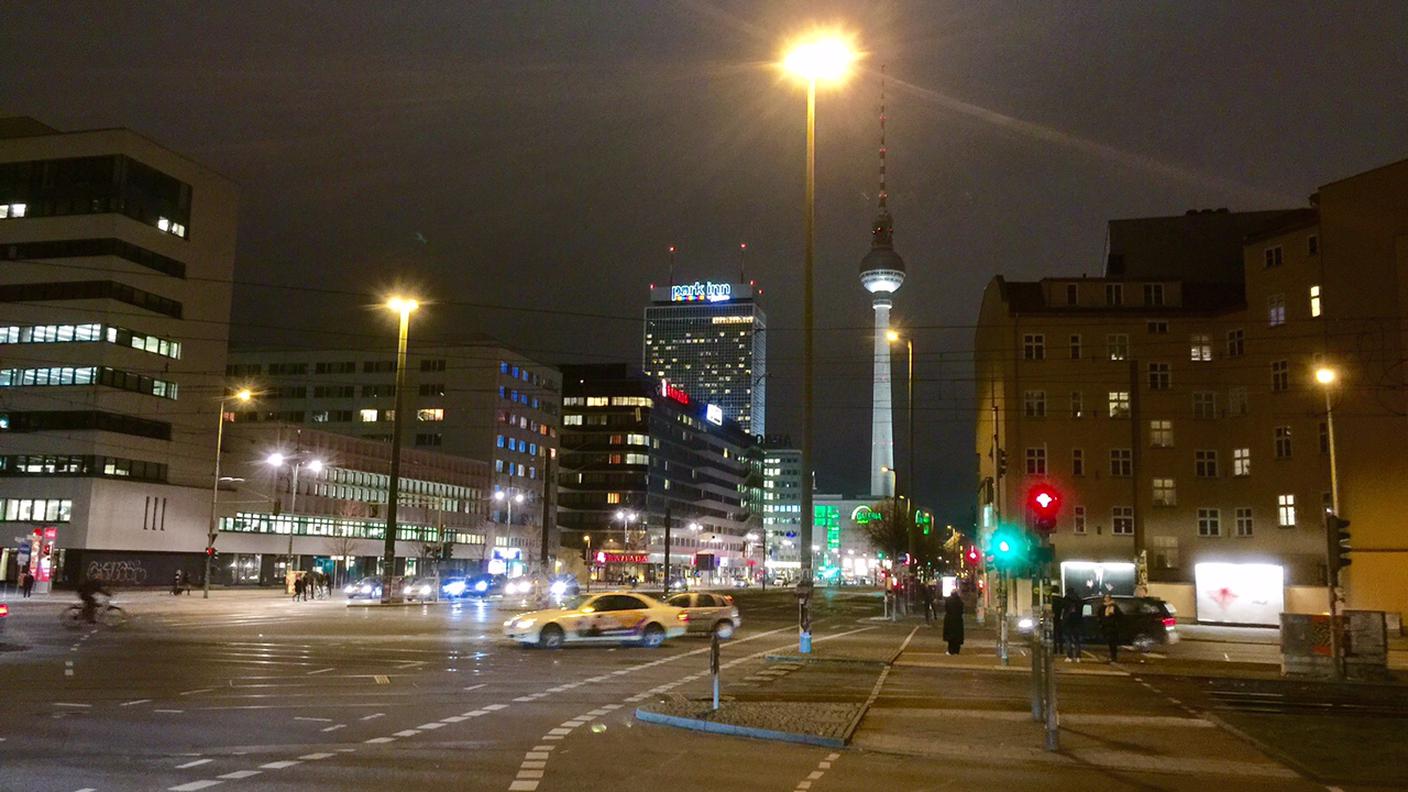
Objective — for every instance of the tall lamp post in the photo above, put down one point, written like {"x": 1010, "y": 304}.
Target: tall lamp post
{"x": 276, "y": 461}
{"x": 242, "y": 395}
{"x": 816, "y": 58}
{"x": 504, "y": 497}
{"x": 1326, "y": 376}
{"x": 403, "y": 306}
{"x": 893, "y": 336}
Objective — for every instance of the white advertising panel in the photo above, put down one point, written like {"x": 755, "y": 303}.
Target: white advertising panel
{"x": 1240, "y": 593}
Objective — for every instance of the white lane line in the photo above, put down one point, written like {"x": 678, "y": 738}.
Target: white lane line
{"x": 524, "y": 698}
{"x": 193, "y": 692}
{"x": 454, "y": 719}
{"x": 168, "y": 710}
{"x": 476, "y": 713}
{"x": 609, "y": 707}
{"x": 530, "y": 773}
{"x": 559, "y": 731}
{"x": 373, "y": 716}
{"x": 544, "y": 747}
{"x": 334, "y": 727}
{"x": 405, "y": 733}
{"x": 315, "y": 756}
{"x": 523, "y": 786}
{"x": 538, "y": 754}
{"x": 195, "y": 763}
{"x": 320, "y": 671}
{"x": 306, "y": 718}
{"x": 280, "y": 765}
{"x": 194, "y": 785}
{"x": 431, "y": 726}
{"x": 375, "y": 740}
{"x": 495, "y": 707}
{"x": 134, "y": 702}
{"x": 66, "y": 704}
{"x": 528, "y": 765}
{"x": 238, "y": 774}
{"x": 476, "y": 687}
{"x": 86, "y": 789}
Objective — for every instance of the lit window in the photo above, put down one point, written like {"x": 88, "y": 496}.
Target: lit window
{"x": 430, "y": 414}
{"x": 1241, "y": 461}
{"x": 1200, "y": 348}
{"x": 1276, "y": 310}
{"x": 163, "y": 224}
{"x": 1161, "y": 434}
{"x": 367, "y": 416}
{"x": 1286, "y": 511}
{"x": 1315, "y": 300}
{"x": 1119, "y": 404}
{"x": 1165, "y": 493}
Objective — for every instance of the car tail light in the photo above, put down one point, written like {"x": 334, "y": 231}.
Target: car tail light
{"x": 1170, "y": 622}
{"x": 4, "y": 609}
{"x": 728, "y": 599}
{"x": 684, "y": 617}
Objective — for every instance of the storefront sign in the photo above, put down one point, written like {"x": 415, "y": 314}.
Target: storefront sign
{"x": 1092, "y": 579}
{"x": 623, "y": 558}
{"x": 671, "y": 392}
{"x": 714, "y": 414}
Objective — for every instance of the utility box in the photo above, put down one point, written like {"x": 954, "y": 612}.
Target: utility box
{"x": 1305, "y": 645}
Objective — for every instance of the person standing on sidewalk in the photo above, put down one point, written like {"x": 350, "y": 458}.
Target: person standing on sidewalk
{"x": 1110, "y": 625}
{"x": 1073, "y": 629}
{"x": 1058, "y": 609}
{"x": 953, "y": 622}
{"x": 927, "y": 592}
{"x": 298, "y": 588}
{"x": 26, "y": 582}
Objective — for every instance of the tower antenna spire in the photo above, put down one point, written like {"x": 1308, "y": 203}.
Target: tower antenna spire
{"x": 883, "y": 194}
{"x": 742, "y": 253}
{"x": 672, "y": 265}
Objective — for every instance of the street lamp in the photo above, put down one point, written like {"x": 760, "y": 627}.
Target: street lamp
{"x": 403, "y": 306}
{"x": 818, "y": 57}
{"x": 241, "y": 395}
{"x": 276, "y": 460}
{"x": 1327, "y": 376}
{"x": 893, "y": 337}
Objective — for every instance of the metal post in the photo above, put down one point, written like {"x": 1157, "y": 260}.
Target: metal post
{"x": 714, "y": 663}
{"x": 804, "y": 635}
{"x": 1331, "y": 547}
{"x": 909, "y": 473}
{"x": 1048, "y": 631}
{"x": 214, "y": 500}
{"x": 389, "y": 553}
{"x": 665, "y": 583}
{"x": 1038, "y": 650}
{"x": 292, "y": 513}
{"x": 1002, "y": 617}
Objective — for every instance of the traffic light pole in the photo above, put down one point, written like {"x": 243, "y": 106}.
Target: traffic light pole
{"x": 1332, "y": 565}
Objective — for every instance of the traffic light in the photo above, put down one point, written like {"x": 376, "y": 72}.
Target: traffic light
{"x": 924, "y": 520}
{"x": 1045, "y": 502}
{"x": 971, "y": 556}
{"x": 210, "y": 551}
{"x": 1337, "y": 529}
{"x": 1009, "y": 548}
{"x": 1001, "y": 462}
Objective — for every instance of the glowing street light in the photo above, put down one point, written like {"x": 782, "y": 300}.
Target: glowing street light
{"x": 820, "y": 56}
{"x": 276, "y": 460}
{"x": 1326, "y": 376}
{"x": 241, "y": 395}
{"x": 404, "y": 307}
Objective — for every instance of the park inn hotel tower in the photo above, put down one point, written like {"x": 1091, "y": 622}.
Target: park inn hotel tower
{"x": 710, "y": 340}
{"x": 1174, "y": 400}
{"x": 116, "y": 260}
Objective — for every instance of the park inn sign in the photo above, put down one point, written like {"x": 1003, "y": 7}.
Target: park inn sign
{"x": 701, "y": 290}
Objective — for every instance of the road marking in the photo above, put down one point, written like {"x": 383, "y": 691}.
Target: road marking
{"x": 314, "y": 756}
{"x": 524, "y": 698}
{"x": 382, "y": 679}
{"x": 281, "y": 765}
{"x": 134, "y": 702}
{"x": 530, "y": 765}
{"x": 431, "y": 726}
{"x": 406, "y": 733}
{"x": 495, "y": 707}
{"x": 411, "y": 664}
{"x": 380, "y": 740}
{"x": 373, "y": 716}
{"x": 454, "y": 719}
{"x": 538, "y": 754}
{"x": 198, "y": 690}
{"x": 320, "y": 671}
{"x": 196, "y": 763}
{"x": 306, "y": 718}
{"x": 522, "y": 786}
{"x": 86, "y": 789}
{"x": 476, "y": 687}
{"x": 66, "y": 704}
{"x": 194, "y": 785}
{"x": 335, "y": 727}
{"x": 238, "y": 774}
{"x": 168, "y": 710}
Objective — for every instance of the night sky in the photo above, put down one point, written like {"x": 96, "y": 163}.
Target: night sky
{"x": 528, "y": 163}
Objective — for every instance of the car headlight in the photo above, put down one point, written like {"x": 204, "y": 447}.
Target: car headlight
{"x": 425, "y": 591}
{"x": 348, "y": 589}
{"x": 521, "y": 624}
{"x": 559, "y": 588}
{"x": 367, "y": 589}
{"x": 481, "y": 586}
{"x": 1024, "y": 623}
{"x": 455, "y": 589}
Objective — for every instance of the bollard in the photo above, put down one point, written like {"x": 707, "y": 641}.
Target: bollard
{"x": 714, "y": 664}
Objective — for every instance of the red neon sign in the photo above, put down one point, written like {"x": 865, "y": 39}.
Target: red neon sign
{"x": 670, "y": 391}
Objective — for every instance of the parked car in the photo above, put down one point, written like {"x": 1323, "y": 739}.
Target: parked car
{"x": 613, "y": 617}
{"x": 366, "y": 588}
{"x": 708, "y": 613}
{"x": 1145, "y": 622}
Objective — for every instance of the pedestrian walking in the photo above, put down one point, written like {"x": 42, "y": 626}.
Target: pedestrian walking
{"x": 327, "y": 581}
{"x": 1073, "y": 627}
{"x": 1110, "y": 625}
{"x": 26, "y": 581}
{"x": 298, "y": 588}
{"x": 176, "y": 584}
{"x": 927, "y": 592}
{"x": 953, "y": 622}
{"x": 312, "y": 585}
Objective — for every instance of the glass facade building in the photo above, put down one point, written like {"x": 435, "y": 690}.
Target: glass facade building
{"x": 710, "y": 340}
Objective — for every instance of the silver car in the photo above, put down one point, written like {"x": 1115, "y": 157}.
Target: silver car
{"x": 708, "y": 612}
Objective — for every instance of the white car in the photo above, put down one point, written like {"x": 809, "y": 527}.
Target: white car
{"x": 611, "y": 617}
{"x": 708, "y": 613}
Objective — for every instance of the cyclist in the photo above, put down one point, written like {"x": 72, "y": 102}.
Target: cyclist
{"x": 88, "y": 591}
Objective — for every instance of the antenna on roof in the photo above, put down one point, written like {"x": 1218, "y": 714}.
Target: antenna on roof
{"x": 742, "y": 253}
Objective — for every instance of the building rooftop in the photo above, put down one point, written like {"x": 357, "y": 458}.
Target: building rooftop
{"x": 1202, "y": 245}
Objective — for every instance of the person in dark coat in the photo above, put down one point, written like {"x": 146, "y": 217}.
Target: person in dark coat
{"x": 1058, "y": 636}
{"x": 298, "y": 588}
{"x": 1110, "y": 625}
{"x": 953, "y": 622}
{"x": 1073, "y": 628}
{"x": 927, "y": 592}
{"x": 27, "y": 581}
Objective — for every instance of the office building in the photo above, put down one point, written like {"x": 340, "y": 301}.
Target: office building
{"x": 782, "y": 505}
{"x": 639, "y": 453}
{"x": 710, "y": 340}
{"x": 1175, "y": 402}
{"x": 116, "y": 262}
{"x": 479, "y": 401}
{"x": 335, "y": 519}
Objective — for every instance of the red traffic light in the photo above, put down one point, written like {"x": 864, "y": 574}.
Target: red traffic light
{"x": 210, "y": 551}
{"x": 971, "y": 556}
{"x": 1044, "y": 500}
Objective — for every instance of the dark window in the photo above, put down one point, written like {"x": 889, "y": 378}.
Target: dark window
{"x": 378, "y": 391}
{"x": 335, "y": 367}
{"x": 432, "y": 389}
{"x": 1072, "y": 292}
{"x": 276, "y": 369}
{"x": 334, "y": 391}
{"x": 433, "y": 365}
{"x": 79, "y": 420}
{"x": 378, "y": 366}
{"x": 83, "y": 248}
{"x": 97, "y": 185}
{"x": 90, "y": 290}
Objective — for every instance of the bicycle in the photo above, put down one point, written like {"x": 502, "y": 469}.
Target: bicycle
{"x": 106, "y": 614}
